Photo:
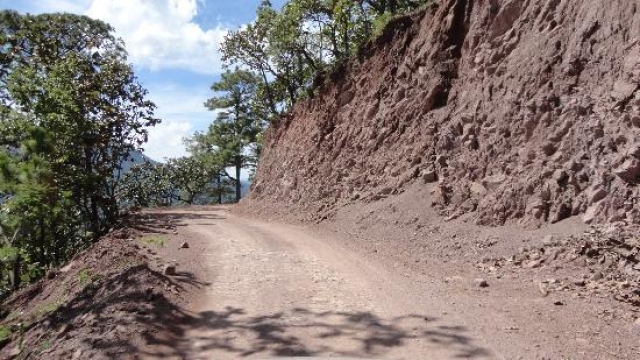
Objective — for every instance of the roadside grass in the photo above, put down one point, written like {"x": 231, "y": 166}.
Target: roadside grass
{"x": 86, "y": 276}
{"x": 5, "y": 333}
{"x": 44, "y": 345}
{"x": 46, "y": 309}
{"x": 154, "y": 240}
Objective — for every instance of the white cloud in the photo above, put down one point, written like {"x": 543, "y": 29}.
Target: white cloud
{"x": 159, "y": 34}
{"x": 165, "y": 140}
{"x": 162, "y": 34}
{"x": 182, "y": 111}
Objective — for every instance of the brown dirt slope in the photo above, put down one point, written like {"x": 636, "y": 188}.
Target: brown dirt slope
{"x": 521, "y": 110}
{"x": 110, "y": 301}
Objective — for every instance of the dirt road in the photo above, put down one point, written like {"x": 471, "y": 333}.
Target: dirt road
{"x": 276, "y": 290}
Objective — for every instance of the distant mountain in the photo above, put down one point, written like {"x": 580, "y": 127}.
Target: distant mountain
{"x": 135, "y": 157}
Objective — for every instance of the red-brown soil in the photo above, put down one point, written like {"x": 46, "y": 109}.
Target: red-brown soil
{"x": 522, "y": 111}
{"x": 388, "y": 279}
{"x": 110, "y": 301}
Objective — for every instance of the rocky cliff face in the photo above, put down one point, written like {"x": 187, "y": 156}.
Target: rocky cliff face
{"x": 524, "y": 110}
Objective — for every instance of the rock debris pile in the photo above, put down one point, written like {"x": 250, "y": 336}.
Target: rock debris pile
{"x": 608, "y": 256}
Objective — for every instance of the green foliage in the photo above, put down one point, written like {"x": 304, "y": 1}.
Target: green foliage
{"x": 71, "y": 111}
{"x": 147, "y": 185}
{"x": 287, "y": 49}
{"x": 232, "y": 140}
{"x": 184, "y": 180}
{"x": 380, "y": 23}
{"x": 5, "y": 333}
{"x": 44, "y": 345}
{"x": 84, "y": 276}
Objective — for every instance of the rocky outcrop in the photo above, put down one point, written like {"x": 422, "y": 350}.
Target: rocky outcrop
{"x": 524, "y": 110}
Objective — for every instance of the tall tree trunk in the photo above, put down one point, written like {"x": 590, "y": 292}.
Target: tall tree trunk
{"x": 42, "y": 243}
{"x": 15, "y": 276}
{"x": 238, "y": 161}
{"x": 219, "y": 178}
{"x": 272, "y": 103}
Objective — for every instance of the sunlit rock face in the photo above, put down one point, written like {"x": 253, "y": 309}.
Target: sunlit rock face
{"x": 516, "y": 111}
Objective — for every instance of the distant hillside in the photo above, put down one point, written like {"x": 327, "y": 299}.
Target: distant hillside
{"x": 134, "y": 158}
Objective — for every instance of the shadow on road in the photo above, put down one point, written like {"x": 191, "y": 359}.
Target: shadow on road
{"x": 236, "y": 333}
{"x": 105, "y": 314}
{"x": 163, "y": 222}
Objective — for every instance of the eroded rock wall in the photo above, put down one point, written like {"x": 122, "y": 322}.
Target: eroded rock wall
{"x": 524, "y": 110}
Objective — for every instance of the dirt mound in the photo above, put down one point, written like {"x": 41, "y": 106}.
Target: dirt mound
{"x": 108, "y": 302}
{"x": 607, "y": 259}
{"x": 524, "y": 110}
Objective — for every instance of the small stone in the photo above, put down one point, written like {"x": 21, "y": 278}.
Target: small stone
{"x": 185, "y": 245}
{"x": 52, "y": 274}
{"x": 482, "y": 283}
{"x": 597, "y": 276}
{"x": 534, "y": 256}
{"x": 623, "y": 285}
{"x": 533, "y": 264}
{"x": 548, "y": 240}
{"x": 429, "y": 176}
{"x": 629, "y": 171}
{"x": 558, "y": 303}
{"x": 478, "y": 189}
{"x": 595, "y": 194}
{"x": 578, "y": 282}
{"x": 543, "y": 289}
{"x": 14, "y": 353}
{"x": 493, "y": 182}
{"x": 582, "y": 261}
{"x": 560, "y": 175}
{"x": 634, "y": 150}
{"x": 553, "y": 254}
{"x": 79, "y": 354}
{"x": 170, "y": 270}
{"x": 64, "y": 330}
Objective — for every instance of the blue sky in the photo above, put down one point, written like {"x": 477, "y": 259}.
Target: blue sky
{"x": 173, "y": 46}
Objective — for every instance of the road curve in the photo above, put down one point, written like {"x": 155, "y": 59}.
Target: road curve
{"x": 278, "y": 291}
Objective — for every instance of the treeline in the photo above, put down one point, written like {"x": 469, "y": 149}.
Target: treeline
{"x": 71, "y": 112}
{"x": 286, "y": 50}
{"x": 270, "y": 64}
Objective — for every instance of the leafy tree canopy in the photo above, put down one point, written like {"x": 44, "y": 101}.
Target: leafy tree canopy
{"x": 71, "y": 111}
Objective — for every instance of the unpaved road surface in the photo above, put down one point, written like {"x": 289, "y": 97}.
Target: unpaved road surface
{"x": 275, "y": 290}
{"x": 262, "y": 289}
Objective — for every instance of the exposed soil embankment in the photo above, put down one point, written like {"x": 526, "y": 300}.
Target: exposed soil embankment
{"x": 524, "y": 110}
{"x": 111, "y": 301}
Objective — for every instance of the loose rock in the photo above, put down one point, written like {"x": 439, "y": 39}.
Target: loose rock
{"x": 482, "y": 283}
{"x": 170, "y": 270}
